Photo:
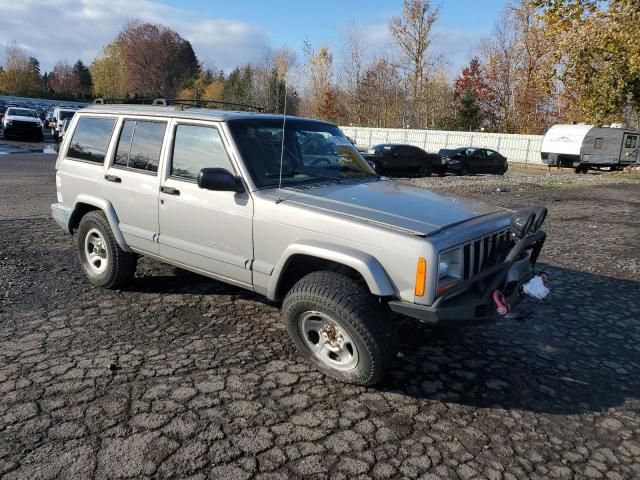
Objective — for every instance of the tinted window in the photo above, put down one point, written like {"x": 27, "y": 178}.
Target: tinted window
{"x": 140, "y": 145}
{"x": 599, "y": 142}
{"x": 196, "y": 147}
{"x": 630, "y": 142}
{"x": 66, "y": 114}
{"x": 492, "y": 154}
{"x": 91, "y": 139}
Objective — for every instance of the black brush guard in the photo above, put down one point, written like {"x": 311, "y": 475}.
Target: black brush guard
{"x": 470, "y": 301}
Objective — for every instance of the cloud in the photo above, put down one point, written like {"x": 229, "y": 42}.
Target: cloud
{"x": 72, "y": 29}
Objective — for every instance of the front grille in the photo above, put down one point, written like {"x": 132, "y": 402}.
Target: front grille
{"x": 484, "y": 253}
{"x": 23, "y": 124}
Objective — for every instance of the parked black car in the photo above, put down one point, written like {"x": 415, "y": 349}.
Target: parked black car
{"x": 388, "y": 158}
{"x": 469, "y": 160}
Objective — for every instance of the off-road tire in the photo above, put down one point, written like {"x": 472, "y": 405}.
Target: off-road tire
{"x": 121, "y": 265}
{"x": 351, "y": 306}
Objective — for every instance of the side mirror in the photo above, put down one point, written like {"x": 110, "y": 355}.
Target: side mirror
{"x": 219, "y": 179}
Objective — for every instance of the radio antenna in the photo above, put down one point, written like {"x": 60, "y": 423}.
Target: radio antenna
{"x": 284, "y": 124}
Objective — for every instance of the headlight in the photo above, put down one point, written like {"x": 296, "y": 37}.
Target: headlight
{"x": 449, "y": 268}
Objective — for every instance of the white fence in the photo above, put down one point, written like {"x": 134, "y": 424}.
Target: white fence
{"x": 517, "y": 148}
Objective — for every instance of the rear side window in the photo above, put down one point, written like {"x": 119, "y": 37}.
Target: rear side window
{"x": 91, "y": 139}
{"x": 140, "y": 145}
{"x": 196, "y": 147}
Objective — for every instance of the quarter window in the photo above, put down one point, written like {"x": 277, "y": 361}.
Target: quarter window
{"x": 140, "y": 145}
{"x": 196, "y": 147}
{"x": 91, "y": 139}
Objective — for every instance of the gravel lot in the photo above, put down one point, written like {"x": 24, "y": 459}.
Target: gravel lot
{"x": 182, "y": 376}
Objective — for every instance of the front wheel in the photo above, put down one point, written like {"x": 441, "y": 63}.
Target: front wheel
{"x": 464, "y": 170}
{"x": 339, "y": 327}
{"x": 103, "y": 261}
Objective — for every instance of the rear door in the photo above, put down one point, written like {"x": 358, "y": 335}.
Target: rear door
{"x": 630, "y": 148}
{"x": 131, "y": 182}
{"x": 493, "y": 160}
{"x": 209, "y": 231}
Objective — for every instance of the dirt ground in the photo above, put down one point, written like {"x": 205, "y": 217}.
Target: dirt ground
{"x": 182, "y": 376}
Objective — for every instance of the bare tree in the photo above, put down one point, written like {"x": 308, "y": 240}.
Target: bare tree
{"x": 412, "y": 33}
{"x": 353, "y": 65}
{"x": 61, "y": 79}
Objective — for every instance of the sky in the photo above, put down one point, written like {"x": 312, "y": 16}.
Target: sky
{"x": 226, "y": 34}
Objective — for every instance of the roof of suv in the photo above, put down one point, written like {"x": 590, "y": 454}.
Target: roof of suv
{"x": 178, "y": 112}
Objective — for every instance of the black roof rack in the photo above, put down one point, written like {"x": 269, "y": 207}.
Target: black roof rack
{"x": 178, "y": 102}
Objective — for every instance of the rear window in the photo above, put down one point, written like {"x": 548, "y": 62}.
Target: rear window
{"x": 140, "y": 145}
{"x": 91, "y": 139}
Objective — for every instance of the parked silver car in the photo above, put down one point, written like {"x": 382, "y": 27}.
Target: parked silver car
{"x": 303, "y": 220}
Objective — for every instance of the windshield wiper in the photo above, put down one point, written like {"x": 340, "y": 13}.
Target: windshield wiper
{"x": 345, "y": 168}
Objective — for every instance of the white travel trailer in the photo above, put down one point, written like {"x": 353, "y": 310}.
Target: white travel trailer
{"x": 585, "y": 147}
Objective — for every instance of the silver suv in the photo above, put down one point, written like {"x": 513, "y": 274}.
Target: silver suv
{"x": 290, "y": 210}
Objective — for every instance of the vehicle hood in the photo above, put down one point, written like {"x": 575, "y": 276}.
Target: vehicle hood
{"x": 20, "y": 118}
{"x": 389, "y": 203}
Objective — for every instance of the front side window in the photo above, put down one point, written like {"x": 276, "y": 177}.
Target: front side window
{"x": 313, "y": 151}
{"x": 91, "y": 138}
{"x": 196, "y": 147}
{"x": 140, "y": 145}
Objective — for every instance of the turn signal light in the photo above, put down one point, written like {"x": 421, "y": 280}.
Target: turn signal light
{"x": 421, "y": 277}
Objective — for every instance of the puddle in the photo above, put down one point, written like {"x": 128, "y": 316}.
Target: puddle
{"x": 8, "y": 149}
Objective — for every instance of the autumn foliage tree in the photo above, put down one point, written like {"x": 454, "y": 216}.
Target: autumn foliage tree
{"x": 596, "y": 46}
{"x": 158, "y": 61}
{"x": 20, "y": 74}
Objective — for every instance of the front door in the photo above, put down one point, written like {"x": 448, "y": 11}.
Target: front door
{"x": 209, "y": 231}
{"x": 630, "y": 147}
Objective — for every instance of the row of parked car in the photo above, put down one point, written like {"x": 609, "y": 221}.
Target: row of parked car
{"x": 20, "y": 120}
{"x": 391, "y": 159}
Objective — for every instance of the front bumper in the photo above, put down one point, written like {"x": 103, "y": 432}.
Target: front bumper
{"x": 471, "y": 301}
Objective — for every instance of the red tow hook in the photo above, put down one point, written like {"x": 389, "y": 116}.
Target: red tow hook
{"x": 502, "y": 305}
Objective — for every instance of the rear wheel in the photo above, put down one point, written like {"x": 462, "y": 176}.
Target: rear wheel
{"x": 501, "y": 170}
{"x": 377, "y": 167}
{"x": 339, "y": 327}
{"x": 425, "y": 170}
{"x": 104, "y": 262}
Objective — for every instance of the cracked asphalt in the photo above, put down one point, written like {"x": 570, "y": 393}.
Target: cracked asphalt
{"x": 180, "y": 376}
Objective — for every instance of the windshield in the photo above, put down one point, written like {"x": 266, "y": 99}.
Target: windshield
{"x": 21, "y": 112}
{"x": 312, "y": 151}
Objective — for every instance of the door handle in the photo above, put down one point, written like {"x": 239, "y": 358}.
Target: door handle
{"x": 113, "y": 178}
{"x": 170, "y": 190}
